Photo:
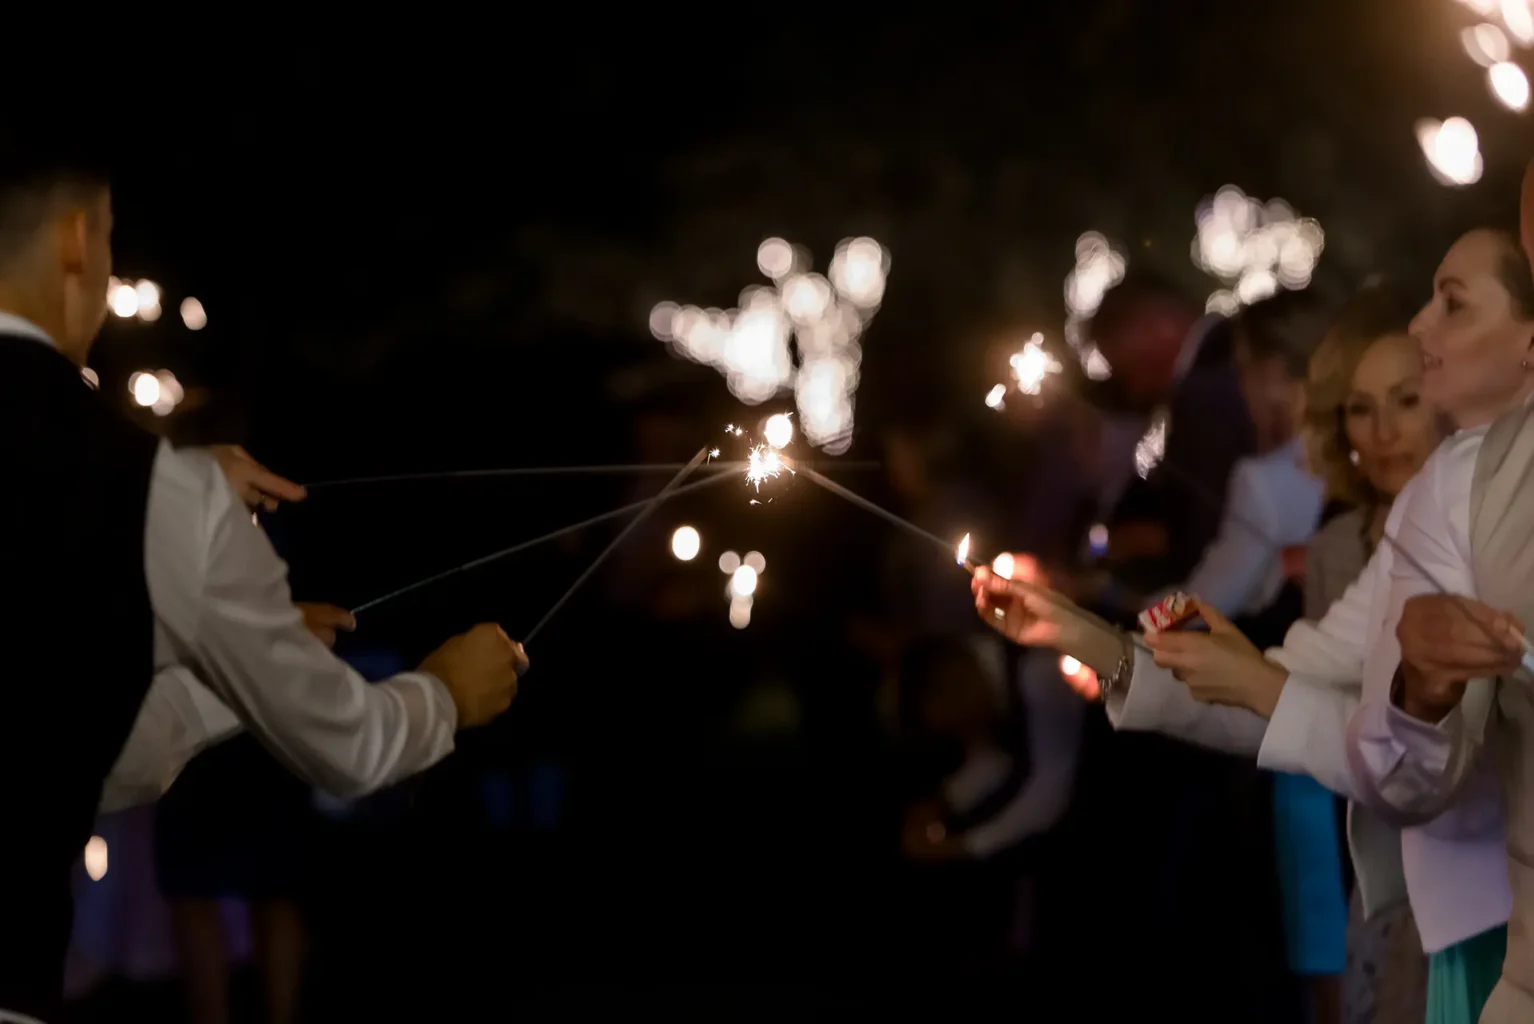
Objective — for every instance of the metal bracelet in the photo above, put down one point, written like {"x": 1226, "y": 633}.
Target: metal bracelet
{"x": 1122, "y": 672}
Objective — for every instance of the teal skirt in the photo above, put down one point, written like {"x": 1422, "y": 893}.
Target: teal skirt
{"x": 1460, "y": 978}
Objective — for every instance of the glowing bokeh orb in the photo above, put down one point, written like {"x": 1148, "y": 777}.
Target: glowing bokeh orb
{"x": 743, "y": 581}
{"x": 686, "y": 543}
{"x": 779, "y": 430}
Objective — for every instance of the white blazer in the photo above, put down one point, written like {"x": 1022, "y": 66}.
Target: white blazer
{"x": 1308, "y": 735}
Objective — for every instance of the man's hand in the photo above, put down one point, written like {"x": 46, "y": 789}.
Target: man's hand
{"x": 1221, "y": 666}
{"x": 1447, "y": 641}
{"x": 479, "y": 668}
{"x": 324, "y": 620}
{"x": 257, "y": 486}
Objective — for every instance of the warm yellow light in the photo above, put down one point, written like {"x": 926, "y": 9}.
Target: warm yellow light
{"x": 685, "y": 543}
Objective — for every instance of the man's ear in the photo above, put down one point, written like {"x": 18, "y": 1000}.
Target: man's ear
{"x": 74, "y": 239}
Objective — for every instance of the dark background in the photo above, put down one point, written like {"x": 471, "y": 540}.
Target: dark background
{"x": 439, "y": 252}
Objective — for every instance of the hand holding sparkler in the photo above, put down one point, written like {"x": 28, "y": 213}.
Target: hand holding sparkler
{"x": 479, "y": 669}
{"x": 1031, "y": 615}
{"x": 1446, "y": 641}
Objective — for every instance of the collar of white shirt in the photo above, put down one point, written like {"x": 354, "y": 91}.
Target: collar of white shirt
{"x": 20, "y": 326}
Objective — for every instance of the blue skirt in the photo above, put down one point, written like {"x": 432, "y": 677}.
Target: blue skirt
{"x": 1309, "y": 855}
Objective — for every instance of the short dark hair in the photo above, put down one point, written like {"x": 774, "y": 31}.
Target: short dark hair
{"x": 1137, "y": 289}
{"x": 1286, "y": 326}
{"x": 37, "y": 169}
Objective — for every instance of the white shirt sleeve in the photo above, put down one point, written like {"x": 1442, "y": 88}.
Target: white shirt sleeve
{"x": 1236, "y": 563}
{"x": 222, "y": 607}
{"x": 1405, "y": 768}
{"x": 179, "y": 718}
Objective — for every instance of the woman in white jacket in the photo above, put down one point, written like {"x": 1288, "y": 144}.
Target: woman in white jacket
{"x": 1291, "y": 711}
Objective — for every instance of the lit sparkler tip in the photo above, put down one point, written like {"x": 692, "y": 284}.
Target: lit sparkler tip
{"x": 713, "y": 453}
{"x": 764, "y": 464}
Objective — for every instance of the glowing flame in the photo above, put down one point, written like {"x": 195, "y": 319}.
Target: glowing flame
{"x": 996, "y": 398}
{"x": 961, "y": 554}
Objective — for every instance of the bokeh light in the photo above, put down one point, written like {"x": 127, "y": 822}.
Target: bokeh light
{"x": 822, "y": 318}
{"x": 96, "y": 858}
{"x": 193, "y": 315}
{"x": 743, "y": 581}
{"x": 686, "y": 543}
{"x": 779, "y": 430}
{"x": 1031, "y": 364}
{"x": 1098, "y": 268}
{"x": 729, "y": 562}
{"x": 1151, "y": 447}
{"x": 996, "y": 398}
{"x": 740, "y": 612}
{"x": 756, "y": 560}
{"x": 1452, "y": 149}
{"x": 123, "y": 299}
{"x": 91, "y": 378}
{"x": 1509, "y": 85}
{"x": 1253, "y": 248}
{"x": 1485, "y": 44}
{"x": 145, "y": 388}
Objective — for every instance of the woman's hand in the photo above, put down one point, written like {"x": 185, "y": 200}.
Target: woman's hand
{"x": 1447, "y": 641}
{"x": 1026, "y": 613}
{"x": 1220, "y": 666}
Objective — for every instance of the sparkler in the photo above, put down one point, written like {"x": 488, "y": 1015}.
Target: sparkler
{"x": 654, "y": 503}
{"x": 526, "y": 545}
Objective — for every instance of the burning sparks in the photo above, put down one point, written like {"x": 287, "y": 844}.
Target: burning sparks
{"x": 686, "y": 543}
{"x": 824, "y": 317}
{"x": 763, "y": 464}
{"x": 1452, "y": 149}
{"x": 1253, "y": 248}
{"x": 1150, "y": 449}
{"x": 1032, "y": 364}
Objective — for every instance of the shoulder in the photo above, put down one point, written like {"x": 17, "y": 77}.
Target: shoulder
{"x": 1343, "y": 531}
{"x": 185, "y": 474}
{"x": 1447, "y": 472}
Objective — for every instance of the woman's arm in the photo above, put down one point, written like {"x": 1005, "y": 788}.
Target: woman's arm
{"x": 1404, "y": 767}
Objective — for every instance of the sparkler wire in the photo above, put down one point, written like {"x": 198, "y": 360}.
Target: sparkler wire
{"x": 612, "y": 469}
{"x": 525, "y": 545}
{"x": 671, "y": 488}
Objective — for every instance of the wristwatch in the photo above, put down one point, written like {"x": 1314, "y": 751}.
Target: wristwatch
{"x": 1122, "y": 672}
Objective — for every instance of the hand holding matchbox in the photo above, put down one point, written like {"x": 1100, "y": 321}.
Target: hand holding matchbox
{"x": 1171, "y": 612}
